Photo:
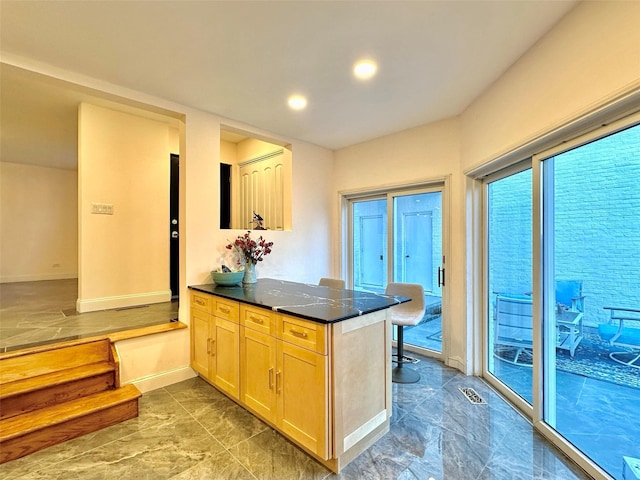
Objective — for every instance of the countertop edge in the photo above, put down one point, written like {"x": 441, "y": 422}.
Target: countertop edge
{"x": 210, "y": 289}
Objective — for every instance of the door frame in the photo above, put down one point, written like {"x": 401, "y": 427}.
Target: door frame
{"x": 441, "y": 184}
{"x": 599, "y": 125}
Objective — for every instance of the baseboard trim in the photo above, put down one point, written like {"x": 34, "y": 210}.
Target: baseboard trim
{"x": 162, "y": 379}
{"x": 38, "y": 277}
{"x": 457, "y": 363}
{"x": 107, "y": 303}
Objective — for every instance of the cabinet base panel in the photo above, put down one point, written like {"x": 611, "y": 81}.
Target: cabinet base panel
{"x": 337, "y": 464}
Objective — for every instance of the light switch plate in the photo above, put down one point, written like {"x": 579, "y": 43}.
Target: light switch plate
{"x": 102, "y": 208}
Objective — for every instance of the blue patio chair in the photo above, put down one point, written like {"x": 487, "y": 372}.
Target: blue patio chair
{"x": 569, "y": 293}
{"x": 623, "y": 330}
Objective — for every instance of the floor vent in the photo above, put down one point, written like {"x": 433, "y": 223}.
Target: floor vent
{"x": 472, "y": 395}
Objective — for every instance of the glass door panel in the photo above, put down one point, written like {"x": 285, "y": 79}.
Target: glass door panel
{"x": 410, "y": 224}
{"x": 509, "y": 261}
{"x": 417, "y": 255}
{"x": 369, "y": 230}
{"x": 591, "y": 245}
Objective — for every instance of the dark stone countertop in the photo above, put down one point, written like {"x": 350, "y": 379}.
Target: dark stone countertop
{"x": 304, "y": 300}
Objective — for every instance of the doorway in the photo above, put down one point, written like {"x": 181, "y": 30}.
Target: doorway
{"x": 397, "y": 236}
{"x": 174, "y": 232}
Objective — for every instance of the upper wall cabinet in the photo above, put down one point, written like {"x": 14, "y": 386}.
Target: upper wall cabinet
{"x": 255, "y": 182}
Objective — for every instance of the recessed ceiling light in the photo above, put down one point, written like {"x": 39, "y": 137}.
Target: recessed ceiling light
{"x": 365, "y": 69}
{"x": 297, "y": 102}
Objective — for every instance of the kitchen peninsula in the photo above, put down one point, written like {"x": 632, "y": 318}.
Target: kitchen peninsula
{"x": 313, "y": 362}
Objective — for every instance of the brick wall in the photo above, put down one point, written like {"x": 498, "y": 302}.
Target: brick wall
{"x": 597, "y": 224}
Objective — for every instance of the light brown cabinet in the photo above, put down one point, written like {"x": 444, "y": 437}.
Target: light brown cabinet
{"x": 215, "y": 337}
{"x": 285, "y": 381}
{"x": 325, "y": 386}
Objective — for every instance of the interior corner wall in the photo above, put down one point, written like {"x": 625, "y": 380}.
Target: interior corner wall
{"x": 251, "y": 148}
{"x": 588, "y": 58}
{"x": 301, "y": 254}
{"x": 429, "y": 152}
{"x": 228, "y": 152}
{"x": 39, "y": 223}
{"x": 123, "y": 160}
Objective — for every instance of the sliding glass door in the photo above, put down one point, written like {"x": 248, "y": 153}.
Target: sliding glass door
{"x": 591, "y": 270}
{"x": 409, "y": 226}
{"x": 562, "y": 290}
{"x": 509, "y": 261}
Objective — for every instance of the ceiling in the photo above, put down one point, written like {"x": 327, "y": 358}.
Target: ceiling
{"x": 242, "y": 60}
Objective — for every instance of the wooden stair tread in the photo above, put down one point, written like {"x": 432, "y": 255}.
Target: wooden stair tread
{"x": 57, "y": 414}
{"x": 27, "y": 363}
{"x": 59, "y": 377}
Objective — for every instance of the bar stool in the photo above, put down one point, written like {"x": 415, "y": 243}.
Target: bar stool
{"x": 405, "y": 314}
{"x": 331, "y": 282}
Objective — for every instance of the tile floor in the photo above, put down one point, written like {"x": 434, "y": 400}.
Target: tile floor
{"x": 190, "y": 431}
{"x": 600, "y": 418}
{"x": 35, "y": 313}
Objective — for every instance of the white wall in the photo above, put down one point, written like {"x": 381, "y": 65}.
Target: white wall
{"x": 302, "y": 254}
{"x": 123, "y": 160}
{"x": 589, "y": 58}
{"x": 39, "y": 223}
{"x": 423, "y": 154}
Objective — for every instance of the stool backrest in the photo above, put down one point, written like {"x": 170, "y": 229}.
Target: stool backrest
{"x": 331, "y": 282}
{"x": 410, "y": 313}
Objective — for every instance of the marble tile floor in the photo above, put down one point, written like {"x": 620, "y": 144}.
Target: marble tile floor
{"x": 190, "y": 431}
{"x": 36, "y": 313}
{"x": 600, "y": 418}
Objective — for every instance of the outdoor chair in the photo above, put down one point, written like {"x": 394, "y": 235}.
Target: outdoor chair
{"x": 569, "y": 294}
{"x": 513, "y": 329}
{"x": 569, "y": 316}
{"x": 513, "y": 322}
{"x": 623, "y": 330}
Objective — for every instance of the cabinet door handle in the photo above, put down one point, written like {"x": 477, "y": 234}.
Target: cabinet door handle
{"x": 278, "y": 381}
{"x": 213, "y": 347}
{"x": 199, "y": 301}
{"x": 208, "y": 345}
{"x": 298, "y": 333}
{"x": 256, "y": 319}
{"x": 271, "y": 378}
{"x": 223, "y": 309}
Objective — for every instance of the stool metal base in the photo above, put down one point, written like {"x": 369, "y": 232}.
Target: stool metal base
{"x": 404, "y": 375}
{"x": 405, "y": 359}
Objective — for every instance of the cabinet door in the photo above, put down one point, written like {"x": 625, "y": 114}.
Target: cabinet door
{"x": 258, "y": 362}
{"x": 302, "y": 392}
{"x": 225, "y": 356}
{"x": 201, "y": 341}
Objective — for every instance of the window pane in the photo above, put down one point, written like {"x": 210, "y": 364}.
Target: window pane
{"x": 370, "y": 245}
{"x": 509, "y": 223}
{"x": 594, "y": 199}
{"x": 417, "y": 257}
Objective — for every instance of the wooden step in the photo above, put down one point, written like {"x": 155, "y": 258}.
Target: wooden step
{"x": 52, "y": 358}
{"x": 27, "y": 433}
{"x": 22, "y": 396}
